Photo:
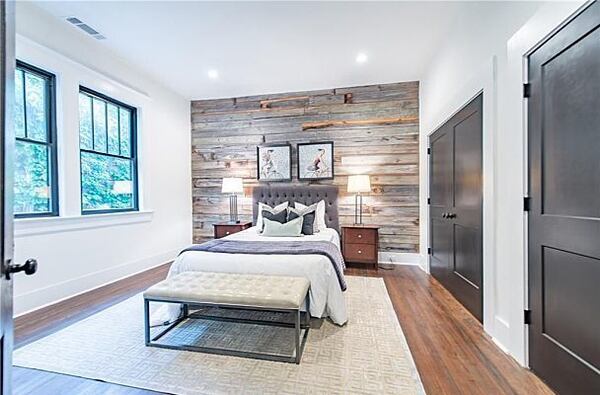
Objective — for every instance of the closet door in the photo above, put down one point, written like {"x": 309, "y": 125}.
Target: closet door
{"x": 564, "y": 217}
{"x": 456, "y": 206}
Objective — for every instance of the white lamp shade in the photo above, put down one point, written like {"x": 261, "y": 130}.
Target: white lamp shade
{"x": 232, "y": 185}
{"x": 359, "y": 183}
{"x": 122, "y": 187}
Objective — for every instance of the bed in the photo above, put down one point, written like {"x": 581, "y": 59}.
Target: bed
{"x": 326, "y": 295}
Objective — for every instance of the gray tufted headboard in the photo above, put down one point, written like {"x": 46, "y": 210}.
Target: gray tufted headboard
{"x": 305, "y": 194}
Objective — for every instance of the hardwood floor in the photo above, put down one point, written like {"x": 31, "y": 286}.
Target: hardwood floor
{"x": 32, "y": 326}
{"x": 452, "y": 353}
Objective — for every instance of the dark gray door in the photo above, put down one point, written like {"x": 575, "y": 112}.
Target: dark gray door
{"x": 564, "y": 220}
{"x": 456, "y": 206}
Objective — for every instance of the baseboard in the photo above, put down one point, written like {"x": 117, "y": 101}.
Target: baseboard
{"x": 500, "y": 345}
{"x": 501, "y": 338}
{"x": 399, "y": 258}
{"x": 58, "y": 292}
{"x": 501, "y": 332}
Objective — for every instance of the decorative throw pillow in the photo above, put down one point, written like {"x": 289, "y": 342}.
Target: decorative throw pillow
{"x": 261, "y": 207}
{"x": 308, "y": 216}
{"x": 279, "y": 216}
{"x": 291, "y": 228}
{"x": 319, "y": 217}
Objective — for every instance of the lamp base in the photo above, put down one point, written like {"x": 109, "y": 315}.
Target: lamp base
{"x": 233, "y": 214}
{"x": 358, "y": 209}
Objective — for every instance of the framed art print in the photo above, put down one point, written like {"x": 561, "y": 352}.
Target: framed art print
{"x": 274, "y": 162}
{"x": 315, "y": 161}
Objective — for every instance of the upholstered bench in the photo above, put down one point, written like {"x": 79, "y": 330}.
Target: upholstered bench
{"x": 235, "y": 291}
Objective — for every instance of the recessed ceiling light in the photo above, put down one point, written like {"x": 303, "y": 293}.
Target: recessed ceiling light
{"x": 213, "y": 74}
{"x": 361, "y": 57}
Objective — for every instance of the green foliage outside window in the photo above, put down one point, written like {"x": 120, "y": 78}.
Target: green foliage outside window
{"x": 99, "y": 182}
{"x": 108, "y": 168}
{"x": 34, "y": 149}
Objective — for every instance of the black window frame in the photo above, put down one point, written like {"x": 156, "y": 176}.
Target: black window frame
{"x": 51, "y": 137}
{"x": 132, "y": 147}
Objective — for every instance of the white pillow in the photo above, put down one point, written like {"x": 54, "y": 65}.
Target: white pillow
{"x": 291, "y": 228}
{"x": 274, "y": 210}
{"x": 319, "y": 216}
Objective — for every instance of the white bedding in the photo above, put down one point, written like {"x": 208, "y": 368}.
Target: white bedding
{"x": 326, "y": 296}
{"x": 251, "y": 234}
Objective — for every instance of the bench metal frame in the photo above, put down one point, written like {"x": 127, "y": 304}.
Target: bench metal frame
{"x": 299, "y": 340}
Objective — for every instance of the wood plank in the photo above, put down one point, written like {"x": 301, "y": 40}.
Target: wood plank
{"x": 374, "y": 121}
{"x": 267, "y": 103}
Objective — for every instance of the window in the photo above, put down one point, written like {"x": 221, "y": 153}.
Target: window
{"x": 35, "y": 173}
{"x": 107, "y": 135}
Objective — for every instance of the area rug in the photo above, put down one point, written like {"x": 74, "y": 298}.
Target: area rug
{"x": 367, "y": 355}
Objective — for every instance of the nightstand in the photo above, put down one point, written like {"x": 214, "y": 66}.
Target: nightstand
{"x": 360, "y": 244}
{"x": 227, "y": 228}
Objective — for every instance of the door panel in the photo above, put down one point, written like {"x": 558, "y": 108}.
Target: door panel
{"x": 570, "y": 281}
{"x": 467, "y": 182}
{"x": 441, "y": 200}
{"x": 565, "y": 90}
{"x": 564, "y": 220}
{"x": 441, "y": 173}
{"x": 441, "y": 248}
{"x": 456, "y": 206}
{"x": 467, "y": 250}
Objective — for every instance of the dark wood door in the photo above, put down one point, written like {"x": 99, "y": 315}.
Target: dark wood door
{"x": 564, "y": 219}
{"x": 456, "y": 206}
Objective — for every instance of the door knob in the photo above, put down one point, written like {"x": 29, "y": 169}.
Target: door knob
{"x": 29, "y": 267}
{"x": 451, "y": 215}
{"x": 445, "y": 215}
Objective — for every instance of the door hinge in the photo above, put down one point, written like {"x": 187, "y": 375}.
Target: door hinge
{"x": 526, "y": 90}
{"x": 428, "y": 250}
{"x": 527, "y": 317}
{"x": 428, "y": 200}
{"x": 526, "y": 203}
{"x": 428, "y": 151}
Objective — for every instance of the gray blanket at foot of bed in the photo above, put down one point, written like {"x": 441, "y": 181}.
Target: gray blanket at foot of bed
{"x": 324, "y": 248}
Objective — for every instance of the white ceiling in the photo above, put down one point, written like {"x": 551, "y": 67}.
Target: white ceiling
{"x": 268, "y": 47}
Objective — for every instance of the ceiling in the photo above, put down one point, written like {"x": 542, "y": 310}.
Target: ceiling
{"x": 268, "y": 47}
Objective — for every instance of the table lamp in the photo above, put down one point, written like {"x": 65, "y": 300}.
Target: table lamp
{"x": 232, "y": 186}
{"x": 358, "y": 184}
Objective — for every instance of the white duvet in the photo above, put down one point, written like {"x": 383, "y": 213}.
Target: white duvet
{"x": 326, "y": 297}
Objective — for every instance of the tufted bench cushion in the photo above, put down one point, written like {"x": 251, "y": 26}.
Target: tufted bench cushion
{"x": 253, "y": 290}
{"x": 231, "y": 290}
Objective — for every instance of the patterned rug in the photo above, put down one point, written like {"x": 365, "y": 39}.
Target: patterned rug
{"x": 367, "y": 355}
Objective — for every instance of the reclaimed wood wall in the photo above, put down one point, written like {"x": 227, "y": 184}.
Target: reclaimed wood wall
{"x": 375, "y": 130}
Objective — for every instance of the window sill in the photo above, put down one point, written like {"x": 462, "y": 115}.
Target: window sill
{"x": 47, "y": 225}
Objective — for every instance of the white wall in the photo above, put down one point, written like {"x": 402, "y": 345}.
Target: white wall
{"x": 486, "y": 53}
{"x": 77, "y": 253}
